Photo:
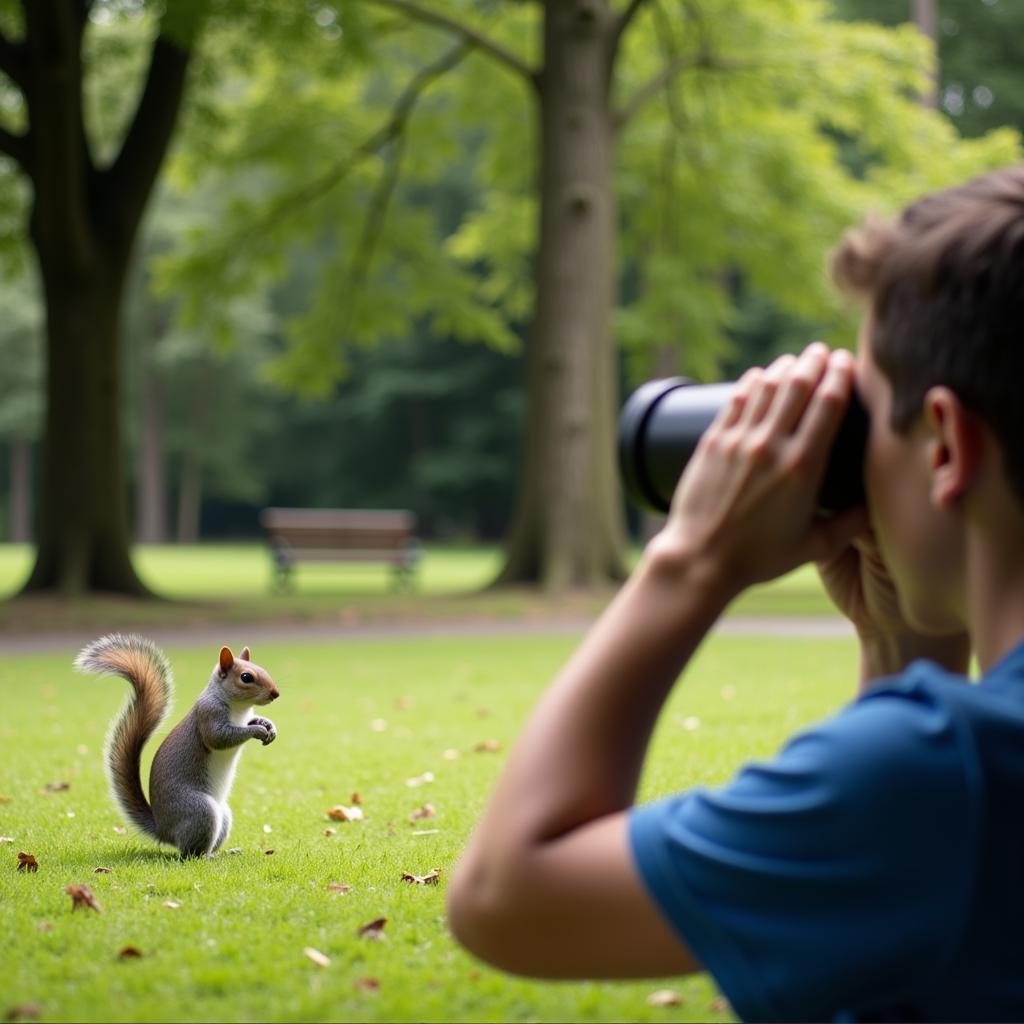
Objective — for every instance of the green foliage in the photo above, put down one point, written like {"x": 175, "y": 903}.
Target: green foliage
{"x": 744, "y": 167}
{"x": 355, "y": 717}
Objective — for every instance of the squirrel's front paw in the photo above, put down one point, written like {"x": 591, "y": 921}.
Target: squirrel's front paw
{"x": 263, "y": 729}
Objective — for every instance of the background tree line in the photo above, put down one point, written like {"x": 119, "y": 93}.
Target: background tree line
{"x": 412, "y": 254}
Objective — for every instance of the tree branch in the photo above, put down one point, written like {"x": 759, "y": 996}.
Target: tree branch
{"x": 390, "y": 131}
{"x": 623, "y": 22}
{"x": 470, "y": 36}
{"x": 128, "y": 181}
{"x": 684, "y": 62}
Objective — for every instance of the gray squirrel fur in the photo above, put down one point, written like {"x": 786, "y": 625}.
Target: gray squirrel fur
{"x": 193, "y": 769}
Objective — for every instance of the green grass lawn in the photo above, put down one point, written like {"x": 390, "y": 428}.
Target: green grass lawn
{"x": 231, "y": 584}
{"x": 361, "y": 717}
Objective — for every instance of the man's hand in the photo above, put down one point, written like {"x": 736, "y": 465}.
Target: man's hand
{"x": 747, "y": 503}
{"x": 861, "y": 587}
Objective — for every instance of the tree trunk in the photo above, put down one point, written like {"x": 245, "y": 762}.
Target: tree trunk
{"x": 21, "y": 490}
{"x": 83, "y": 225}
{"x": 926, "y": 15}
{"x": 190, "y": 480}
{"x": 151, "y": 489}
{"x": 568, "y": 527}
{"x": 83, "y": 537}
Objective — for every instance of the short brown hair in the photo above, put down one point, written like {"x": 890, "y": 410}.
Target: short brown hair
{"x": 944, "y": 287}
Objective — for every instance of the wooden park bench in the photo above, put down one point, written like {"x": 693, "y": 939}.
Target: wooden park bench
{"x": 341, "y": 535}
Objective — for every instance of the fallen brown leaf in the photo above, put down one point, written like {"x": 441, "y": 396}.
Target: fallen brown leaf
{"x": 341, "y": 813}
{"x": 721, "y": 1005}
{"x": 4, "y": 799}
{"x": 130, "y": 953}
{"x": 487, "y": 747}
{"x": 356, "y": 799}
{"x": 421, "y": 813}
{"x": 26, "y": 862}
{"x": 330, "y": 832}
{"x": 81, "y": 896}
{"x": 373, "y": 930}
{"x": 664, "y": 997}
{"x": 367, "y": 984}
{"x": 27, "y": 1011}
{"x": 317, "y": 957}
{"x": 430, "y": 878}
{"x": 44, "y": 926}
{"x": 56, "y": 787}
{"x": 340, "y": 888}
{"x": 102, "y": 871}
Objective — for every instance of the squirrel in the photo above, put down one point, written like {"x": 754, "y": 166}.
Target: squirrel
{"x": 195, "y": 765}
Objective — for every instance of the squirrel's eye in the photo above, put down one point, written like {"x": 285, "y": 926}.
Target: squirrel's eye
{"x": 247, "y": 677}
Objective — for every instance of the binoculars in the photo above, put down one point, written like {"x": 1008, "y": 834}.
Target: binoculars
{"x": 663, "y": 420}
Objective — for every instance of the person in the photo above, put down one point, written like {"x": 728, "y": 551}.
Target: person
{"x": 874, "y": 868}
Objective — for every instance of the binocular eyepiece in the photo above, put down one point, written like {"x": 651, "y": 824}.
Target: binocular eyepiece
{"x": 663, "y": 420}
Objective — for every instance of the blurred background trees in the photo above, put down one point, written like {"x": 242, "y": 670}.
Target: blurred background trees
{"x": 412, "y": 254}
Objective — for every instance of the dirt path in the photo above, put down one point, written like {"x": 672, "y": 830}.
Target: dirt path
{"x": 274, "y": 633}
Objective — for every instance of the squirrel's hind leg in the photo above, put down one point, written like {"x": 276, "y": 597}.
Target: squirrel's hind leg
{"x": 197, "y": 832}
{"x": 225, "y": 827}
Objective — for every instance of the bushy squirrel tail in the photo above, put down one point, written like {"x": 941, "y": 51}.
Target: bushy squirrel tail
{"x": 144, "y": 666}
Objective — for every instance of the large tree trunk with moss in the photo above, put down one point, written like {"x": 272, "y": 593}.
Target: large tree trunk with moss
{"x": 568, "y": 527}
{"x": 83, "y": 225}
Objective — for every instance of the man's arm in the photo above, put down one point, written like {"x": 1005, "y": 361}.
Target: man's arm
{"x": 547, "y": 885}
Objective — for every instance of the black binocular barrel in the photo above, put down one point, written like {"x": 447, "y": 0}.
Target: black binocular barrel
{"x": 663, "y": 420}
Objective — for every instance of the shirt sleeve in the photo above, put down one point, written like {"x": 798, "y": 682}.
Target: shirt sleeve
{"x": 836, "y": 875}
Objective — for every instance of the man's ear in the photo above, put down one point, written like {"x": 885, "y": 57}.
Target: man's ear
{"x": 955, "y": 447}
{"x": 227, "y": 659}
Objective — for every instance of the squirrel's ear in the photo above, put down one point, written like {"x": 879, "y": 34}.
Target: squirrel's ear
{"x": 227, "y": 659}
{"x": 245, "y": 655}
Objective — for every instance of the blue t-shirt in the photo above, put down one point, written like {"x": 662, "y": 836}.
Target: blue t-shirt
{"x": 874, "y": 870}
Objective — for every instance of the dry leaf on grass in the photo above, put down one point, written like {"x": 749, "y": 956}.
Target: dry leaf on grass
{"x": 6, "y": 839}
{"x": 81, "y": 896}
{"x": 44, "y": 926}
{"x": 420, "y": 780}
{"x": 269, "y": 852}
{"x": 421, "y": 813}
{"x": 317, "y": 957}
{"x": 56, "y": 787}
{"x": 171, "y": 905}
{"x": 4, "y": 799}
{"x": 487, "y": 747}
{"x": 27, "y": 1011}
{"x": 664, "y": 997}
{"x": 121, "y": 830}
{"x": 130, "y": 953}
{"x": 367, "y": 984}
{"x": 102, "y": 871}
{"x": 430, "y": 878}
{"x": 720, "y": 1005}
{"x": 26, "y": 862}
{"x": 356, "y": 799}
{"x": 339, "y": 812}
{"x": 338, "y": 888}
{"x": 373, "y": 930}
{"x": 451, "y": 754}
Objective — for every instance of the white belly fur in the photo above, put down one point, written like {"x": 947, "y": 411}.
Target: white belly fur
{"x": 220, "y": 767}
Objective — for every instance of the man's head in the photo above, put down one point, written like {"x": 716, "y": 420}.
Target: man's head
{"x": 940, "y": 372}
{"x": 944, "y": 289}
